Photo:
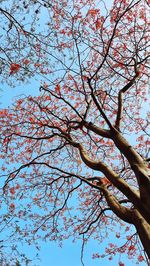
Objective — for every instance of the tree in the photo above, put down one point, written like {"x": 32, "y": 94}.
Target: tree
{"x": 75, "y": 137}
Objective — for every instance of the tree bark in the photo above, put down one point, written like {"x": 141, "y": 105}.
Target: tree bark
{"x": 143, "y": 230}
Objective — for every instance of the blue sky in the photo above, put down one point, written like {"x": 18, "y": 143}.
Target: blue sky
{"x": 70, "y": 253}
{"x": 50, "y": 253}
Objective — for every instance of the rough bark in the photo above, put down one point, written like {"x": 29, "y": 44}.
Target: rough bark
{"x": 143, "y": 230}
{"x": 140, "y": 169}
{"x": 131, "y": 216}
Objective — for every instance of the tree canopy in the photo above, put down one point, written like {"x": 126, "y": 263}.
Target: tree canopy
{"x": 75, "y": 158}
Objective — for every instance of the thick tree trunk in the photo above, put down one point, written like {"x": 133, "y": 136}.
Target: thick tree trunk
{"x": 143, "y": 230}
{"x": 140, "y": 169}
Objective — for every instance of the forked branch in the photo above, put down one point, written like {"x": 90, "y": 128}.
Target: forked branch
{"x": 120, "y": 100}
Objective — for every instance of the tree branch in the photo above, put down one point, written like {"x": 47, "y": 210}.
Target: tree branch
{"x": 99, "y": 131}
{"x": 98, "y": 106}
{"x": 116, "y": 180}
{"x": 120, "y": 100}
{"x": 122, "y": 212}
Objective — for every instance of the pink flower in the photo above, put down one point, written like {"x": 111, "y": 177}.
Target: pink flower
{"x": 140, "y": 258}
{"x": 14, "y": 68}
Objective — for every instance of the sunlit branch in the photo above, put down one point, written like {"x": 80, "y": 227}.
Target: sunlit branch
{"x": 99, "y": 131}
{"x": 122, "y": 212}
{"x": 120, "y": 100}
{"x": 115, "y": 179}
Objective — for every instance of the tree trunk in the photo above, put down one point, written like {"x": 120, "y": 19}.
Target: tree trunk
{"x": 143, "y": 230}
